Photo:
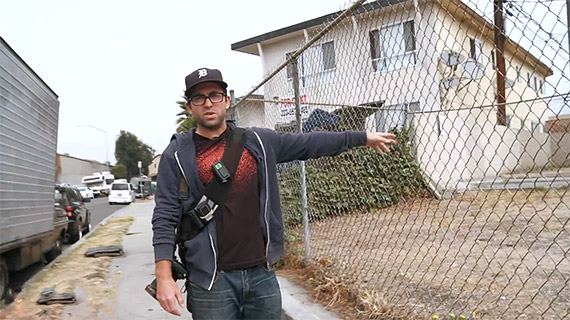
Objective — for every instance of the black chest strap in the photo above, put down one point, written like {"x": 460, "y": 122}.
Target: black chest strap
{"x": 216, "y": 190}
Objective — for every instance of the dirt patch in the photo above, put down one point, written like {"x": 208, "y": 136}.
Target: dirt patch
{"x": 501, "y": 254}
{"x": 75, "y": 272}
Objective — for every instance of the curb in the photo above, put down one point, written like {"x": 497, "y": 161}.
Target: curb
{"x": 298, "y": 305}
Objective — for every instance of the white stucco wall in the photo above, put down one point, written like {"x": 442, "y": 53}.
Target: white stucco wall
{"x": 456, "y": 136}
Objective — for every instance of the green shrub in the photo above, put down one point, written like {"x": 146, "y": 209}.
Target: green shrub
{"x": 359, "y": 180}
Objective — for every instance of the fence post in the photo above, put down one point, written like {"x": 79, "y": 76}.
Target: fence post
{"x": 295, "y": 67}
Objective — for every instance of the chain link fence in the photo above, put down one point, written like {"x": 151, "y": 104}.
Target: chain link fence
{"x": 470, "y": 212}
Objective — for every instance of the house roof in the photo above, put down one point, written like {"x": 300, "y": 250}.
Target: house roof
{"x": 244, "y": 45}
{"x": 250, "y": 45}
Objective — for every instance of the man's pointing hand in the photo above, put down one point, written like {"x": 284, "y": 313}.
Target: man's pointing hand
{"x": 380, "y": 141}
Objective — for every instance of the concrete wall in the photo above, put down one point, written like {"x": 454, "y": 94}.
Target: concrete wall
{"x": 470, "y": 151}
{"x": 251, "y": 113}
{"x": 560, "y": 148}
{"x": 73, "y": 169}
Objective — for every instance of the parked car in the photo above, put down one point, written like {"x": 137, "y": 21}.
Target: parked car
{"x": 121, "y": 192}
{"x": 86, "y": 192}
{"x": 78, "y": 216}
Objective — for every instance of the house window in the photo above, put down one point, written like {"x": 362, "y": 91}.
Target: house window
{"x": 532, "y": 81}
{"x": 476, "y": 50}
{"x": 541, "y": 86}
{"x": 376, "y": 50}
{"x": 312, "y": 63}
{"x": 519, "y": 75}
{"x": 318, "y": 58}
{"x": 393, "y": 47}
{"x": 316, "y": 64}
{"x": 329, "y": 61}
{"x": 528, "y": 79}
{"x": 493, "y": 61}
{"x": 395, "y": 116}
{"x": 409, "y": 36}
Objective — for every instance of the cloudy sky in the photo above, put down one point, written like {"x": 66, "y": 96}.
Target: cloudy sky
{"x": 120, "y": 64}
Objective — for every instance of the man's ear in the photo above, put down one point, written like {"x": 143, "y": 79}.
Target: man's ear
{"x": 188, "y": 108}
{"x": 228, "y": 102}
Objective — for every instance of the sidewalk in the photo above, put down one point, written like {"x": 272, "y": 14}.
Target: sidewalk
{"x": 136, "y": 267}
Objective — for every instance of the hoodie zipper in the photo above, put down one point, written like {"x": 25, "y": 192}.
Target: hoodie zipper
{"x": 180, "y": 167}
{"x": 209, "y": 235}
{"x": 266, "y": 197}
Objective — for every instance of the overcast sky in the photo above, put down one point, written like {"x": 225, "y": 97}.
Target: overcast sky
{"x": 120, "y": 64}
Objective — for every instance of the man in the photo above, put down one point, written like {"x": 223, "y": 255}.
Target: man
{"x": 230, "y": 260}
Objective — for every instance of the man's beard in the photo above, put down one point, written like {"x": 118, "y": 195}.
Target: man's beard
{"x": 210, "y": 125}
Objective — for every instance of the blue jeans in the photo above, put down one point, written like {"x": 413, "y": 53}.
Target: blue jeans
{"x": 251, "y": 293}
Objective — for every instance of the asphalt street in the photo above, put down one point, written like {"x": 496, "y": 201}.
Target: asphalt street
{"x": 100, "y": 209}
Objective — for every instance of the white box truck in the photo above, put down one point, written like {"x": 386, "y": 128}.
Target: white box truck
{"x": 30, "y": 226}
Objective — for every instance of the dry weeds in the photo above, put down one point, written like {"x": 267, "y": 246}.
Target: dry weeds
{"x": 500, "y": 254}
{"x": 72, "y": 271}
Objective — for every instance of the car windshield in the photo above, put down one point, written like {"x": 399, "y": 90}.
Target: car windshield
{"x": 121, "y": 186}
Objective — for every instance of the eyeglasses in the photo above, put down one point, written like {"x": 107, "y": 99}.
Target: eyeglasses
{"x": 215, "y": 97}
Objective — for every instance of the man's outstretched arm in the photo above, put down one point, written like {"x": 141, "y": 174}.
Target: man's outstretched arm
{"x": 295, "y": 146}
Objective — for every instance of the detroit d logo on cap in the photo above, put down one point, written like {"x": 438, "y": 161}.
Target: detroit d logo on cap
{"x": 202, "y": 73}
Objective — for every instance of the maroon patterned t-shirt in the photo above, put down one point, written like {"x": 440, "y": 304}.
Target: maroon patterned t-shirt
{"x": 238, "y": 224}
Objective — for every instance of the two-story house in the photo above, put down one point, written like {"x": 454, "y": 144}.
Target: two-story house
{"x": 430, "y": 64}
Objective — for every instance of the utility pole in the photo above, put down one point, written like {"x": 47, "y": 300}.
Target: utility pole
{"x": 568, "y": 24}
{"x": 500, "y": 60}
{"x": 139, "y": 185}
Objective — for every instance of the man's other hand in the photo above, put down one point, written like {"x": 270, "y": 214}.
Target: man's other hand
{"x": 168, "y": 294}
{"x": 167, "y": 291}
{"x": 380, "y": 141}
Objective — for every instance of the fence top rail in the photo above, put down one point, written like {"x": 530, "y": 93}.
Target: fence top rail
{"x": 343, "y": 105}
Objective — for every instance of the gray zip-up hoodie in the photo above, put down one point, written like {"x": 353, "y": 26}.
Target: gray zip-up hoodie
{"x": 268, "y": 148}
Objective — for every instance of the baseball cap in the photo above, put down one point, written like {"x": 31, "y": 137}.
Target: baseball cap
{"x": 204, "y": 75}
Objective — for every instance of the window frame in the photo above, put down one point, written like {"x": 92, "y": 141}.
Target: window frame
{"x": 475, "y": 44}
{"x": 324, "y": 58}
{"x": 528, "y": 79}
{"x": 375, "y": 44}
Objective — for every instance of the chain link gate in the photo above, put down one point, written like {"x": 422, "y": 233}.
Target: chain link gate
{"x": 471, "y": 210}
